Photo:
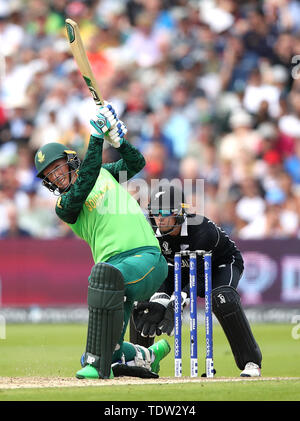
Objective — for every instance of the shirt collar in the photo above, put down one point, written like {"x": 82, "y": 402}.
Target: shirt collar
{"x": 184, "y": 227}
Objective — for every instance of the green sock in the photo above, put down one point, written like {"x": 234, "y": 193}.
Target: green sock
{"x": 129, "y": 351}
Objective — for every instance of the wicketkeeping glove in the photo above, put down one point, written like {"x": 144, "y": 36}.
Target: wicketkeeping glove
{"x": 147, "y": 315}
{"x": 167, "y": 324}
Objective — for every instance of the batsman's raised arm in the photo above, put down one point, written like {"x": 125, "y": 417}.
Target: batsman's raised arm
{"x": 63, "y": 174}
{"x": 132, "y": 160}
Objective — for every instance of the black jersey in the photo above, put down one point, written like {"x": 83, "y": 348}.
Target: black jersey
{"x": 202, "y": 236}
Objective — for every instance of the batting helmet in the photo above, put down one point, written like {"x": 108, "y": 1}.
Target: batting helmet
{"x": 50, "y": 153}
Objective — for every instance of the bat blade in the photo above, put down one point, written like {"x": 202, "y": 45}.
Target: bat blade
{"x": 80, "y": 56}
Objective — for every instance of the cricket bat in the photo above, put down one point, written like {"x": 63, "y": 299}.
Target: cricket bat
{"x": 82, "y": 61}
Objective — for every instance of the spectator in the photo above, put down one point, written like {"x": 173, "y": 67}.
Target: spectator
{"x": 20, "y": 125}
{"x": 144, "y": 43}
{"x": 258, "y": 38}
{"x": 261, "y": 88}
{"x": 76, "y": 137}
{"x": 177, "y": 125}
{"x": 153, "y": 133}
{"x": 292, "y": 163}
{"x": 207, "y": 89}
{"x": 157, "y": 164}
{"x": 267, "y": 225}
{"x": 11, "y": 34}
{"x": 25, "y": 170}
{"x": 13, "y": 230}
{"x": 38, "y": 217}
{"x": 251, "y": 204}
{"x": 49, "y": 131}
{"x": 242, "y": 139}
{"x": 237, "y": 64}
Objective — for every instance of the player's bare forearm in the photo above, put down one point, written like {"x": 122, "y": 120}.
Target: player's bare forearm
{"x": 70, "y": 204}
{"x": 132, "y": 161}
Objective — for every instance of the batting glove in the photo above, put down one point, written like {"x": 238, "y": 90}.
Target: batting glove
{"x": 101, "y": 123}
{"x": 147, "y": 315}
{"x": 106, "y": 123}
{"x": 116, "y": 135}
{"x": 167, "y": 324}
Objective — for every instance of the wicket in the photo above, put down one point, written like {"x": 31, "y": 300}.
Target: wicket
{"x": 193, "y": 312}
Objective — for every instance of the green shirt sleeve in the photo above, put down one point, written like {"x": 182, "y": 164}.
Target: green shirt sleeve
{"x": 132, "y": 161}
{"x": 69, "y": 204}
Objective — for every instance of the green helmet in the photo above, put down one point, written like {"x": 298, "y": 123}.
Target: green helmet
{"x": 50, "y": 153}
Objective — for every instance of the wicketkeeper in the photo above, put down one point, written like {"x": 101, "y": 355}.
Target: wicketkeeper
{"x": 128, "y": 265}
{"x": 177, "y": 230}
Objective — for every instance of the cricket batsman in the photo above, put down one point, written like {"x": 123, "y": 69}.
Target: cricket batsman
{"x": 177, "y": 230}
{"x": 128, "y": 264}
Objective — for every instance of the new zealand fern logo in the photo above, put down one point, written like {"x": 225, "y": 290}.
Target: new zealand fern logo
{"x": 41, "y": 157}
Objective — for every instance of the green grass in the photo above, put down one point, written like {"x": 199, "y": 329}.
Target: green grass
{"x": 55, "y": 350}
{"x": 262, "y": 391}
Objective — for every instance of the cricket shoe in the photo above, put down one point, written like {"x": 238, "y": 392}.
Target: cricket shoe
{"x": 160, "y": 349}
{"x": 90, "y": 372}
{"x": 251, "y": 370}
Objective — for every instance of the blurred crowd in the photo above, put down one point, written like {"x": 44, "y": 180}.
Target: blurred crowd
{"x": 209, "y": 89}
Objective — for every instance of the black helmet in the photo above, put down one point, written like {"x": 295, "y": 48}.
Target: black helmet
{"x": 50, "y": 153}
{"x": 167, "y": 200}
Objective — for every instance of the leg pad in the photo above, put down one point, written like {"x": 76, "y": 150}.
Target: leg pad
{"x": 106, "y": 316}
{"x": 227, "y": 308}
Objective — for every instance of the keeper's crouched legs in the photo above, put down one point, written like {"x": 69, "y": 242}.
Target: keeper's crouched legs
{"x": 106, "y": 316}
{"x": 230, "y": 314}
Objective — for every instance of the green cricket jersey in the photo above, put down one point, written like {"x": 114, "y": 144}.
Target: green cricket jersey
{"x": 99, "y": 209}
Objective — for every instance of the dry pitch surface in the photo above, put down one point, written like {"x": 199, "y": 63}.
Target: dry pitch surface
{"x": 43, "y": 382}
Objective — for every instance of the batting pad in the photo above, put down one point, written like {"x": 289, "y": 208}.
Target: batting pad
{"x": 106, "y": 316}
